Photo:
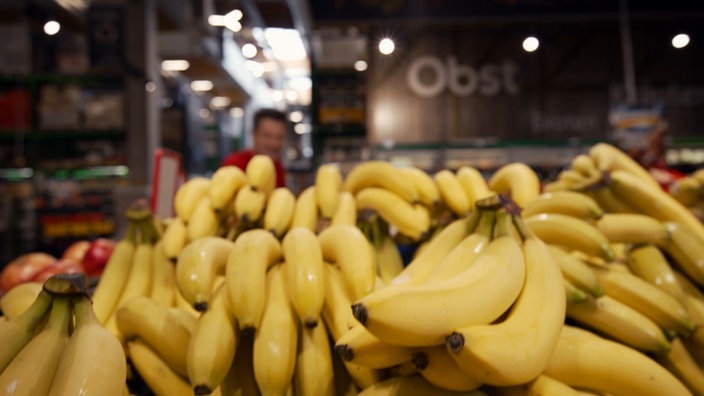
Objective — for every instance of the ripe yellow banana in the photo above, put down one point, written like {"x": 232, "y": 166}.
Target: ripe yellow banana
{"x": 328, "y": 184}
{"x": 139, "y": 282}
{"x": 359, "y": 346}
{"x": 346, "y": 212}
{"x": 694, "y": 303}
{"x": 570, "y": 232}
{"x": 389, "y": 262}
{"x": 686, "y": 248}
{"x": 349, "y": 249}
{"x": 188, "y": 195}
{"x": 541, "y": 386}
{"x": 175, "y": 238}
{"x": 303, "y": 274}
{"x": 261, "y": 173}
{"x": 609, "y": 158}
{"x": 583, "y": 359}
{"x": 452, "y": 193}
{"x": 411, "y": 220}
{"x": 305, "y": 213}
{"x": 632, "y": 228}
{"x": 428, "y": 193}
{"x": 253, "y": 253}
{"x": 314, "y": 371}
{"x": 158, "y": 376}
{"x": 437, "y": 366}
{"x": 17, "y": 332}
{"x": 224, "y": 183}
{"x": 276, "y": 338}
{"x": 474, "y": 185}
{"x": 383, "y": 175}
{"x": 32, "y": 370}
{"x": 93, "y": 362}
{"x": 518, "y": 180}
{"x": 163, "y": 287}
{"x": 517, "y": 349}
{"x": 249, "y": 205}
{"x": 213, "y": 345}
{"x": 412, "y": 386}
{"x": 576, "y": 271}
{"x": 19, "y": 299}
{"x": 144, "y": 319}
{"x": 584, "y": 164}
{"x": 649, "y": 263}
{"x": 687, "y": 191}
{"x": 681, "y": 363}
{"x": 573, "y": 293}
{"x": 197, "y": 267}
{"x": 609, "y": 201}
{"x": 570, "y": 203}
{"x": 203, "y": 222}
{"x": 279, "y": 212}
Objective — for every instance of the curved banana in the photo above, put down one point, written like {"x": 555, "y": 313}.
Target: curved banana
{"x": 437, "y": 366}
{"x": 346, "y": 212}
{"x": 158, "y": 376}
{"x": 686, "y": 190}
{"x": 19, "y": 299}
{"x": 349, "y": 249}
{"x": 681, "y": 363}
{"x": 253, "y": 253}
{"x": 328, "y": 184}
{"x": 174, "y": 239}
{"x": 163, "y": 287}
{"x": 188, "y": 195}
{"x": 197, "y": 267}
{"x": 632, "y": 228}
{"x": 314, "y": 370}
{"x": 261, "y": 173}
{"x": 249, "y": 205}
{"x": 570, "y": 203}
{"x": 576, "y": 271}
{"x": 473, "y": 184}
{"x": 389, "y": 262}
{"x": 648, "y": 262}
{"x": 609, "y": 158}
{"x": 305, "y": 213}
{"x": 518, "y": 180}
{"x": 276, "y": 338}
{"x": 383, "y": 175}
{"x": 93, "y": 362}
{"x": 694, "y": 303}
{"x": 414, "y": 385}
{"x": 573, "y": 293}
{"x": 203, "y": 222}
{"x": 584, "y": 164}
{"x": 279, "y": 212}
{"x": 359, "y": 346}
{"x": 428, "y": 193}
{"x": 541, "y": 386}
{"x": 224, "y": 183}
{"x": 571, "y": 232}
{"x": 303, "y": 274}
{"x": 608, "y": 200}
{"x": 452, "y": 193}
{"x": 17, "y": 332}
{"x": 139, "y": 282}
{"x": 686, "y": 248}
{"x": 410, "y": 220}
{"x": 583, "y": 359}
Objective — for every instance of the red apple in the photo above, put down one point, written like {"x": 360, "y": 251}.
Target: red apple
{"x": 77, "y": 250}
{"x": 23, "y": 269}
{"x": 62, "y": 266}
{"x": 97, "y": 256}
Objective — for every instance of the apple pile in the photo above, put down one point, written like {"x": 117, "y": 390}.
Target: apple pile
{"x": 85, "y": 257}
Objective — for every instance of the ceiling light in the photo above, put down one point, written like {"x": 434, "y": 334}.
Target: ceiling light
{"x": 237, "y": 112}
{"x": 52, "y": 27}
{"x": 235, "y": 26}
{"x": 386, "y": 46}
{"x": 277, "y": 96}
{"x": 360, "y": 65}
{"x": 256, "y": 68}
{"x": 204, "y": 113}
{"x": 291, "y": 96}
{"x": 296, "y": 116}
{"x": 175, "y": 65}
{"x": 150, "y": 86}
{"x": 300, "y": 83}
{"x": 530, "y": 44}
{"x": 249, "y": 50}
{"x": 680, "y": 41}
{"x": 201, "y": 85}
{"x": 216, "y": 20}
{"x": 220, "y": 101}
{"x": 286, "y": 44}
{"x": 302, "y": 129}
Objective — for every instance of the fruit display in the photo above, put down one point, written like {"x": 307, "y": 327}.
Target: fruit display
{"x": 590, "y": 284}
{"x": 689, "y": 191}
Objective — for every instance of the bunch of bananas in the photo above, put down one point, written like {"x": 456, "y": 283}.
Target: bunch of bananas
{"x": 689, "y": 191}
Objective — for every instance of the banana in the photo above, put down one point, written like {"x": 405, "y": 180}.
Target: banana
{"x": 188, "y": 195}
{"x": 279, "y": 212}
{"x": 686, "y": 248}
{"x": 349, "y": 249}
{"x": 139, "y": 282}
{"x": 608, "y": 200}
{"x": 422, "y": 315}
{"x": 517, "y": 349}
{"x": 428, "y": 193}
{"x": 584, "y": 360}
{"x": 518, "y": 180}
{"x": 185, "y": 317}
{"x": 249, "y": 205}
{"x": 609, "y": 158}
{"x": 276, "y": 338}
{"x": 32, "y": 370}
{"x": 632, "y": 228}
{"x": 576, "y": 271}
{"x": 620, "y": 322}
{"x": 163, "y": 287}
{"x": 303, "y": 274}
{"x": 389, "y": 262}
{"x": 197, "y": 267}
{"x": 224, "y": 184}
{"x": 584, "y": 164}
{"x": 239, "y": 380}
{"x": 359, "y": 346}
{"x": 412, "y": 386}
{"x": 143, "y": 318}
{"x": 383, "y": 175}
{"x": 305, "y": 213}
{"x": 573, "y": 293}
{"x": 681, "y": 363}
{"x": 212, "y": 346}
{"x": 649, "y": 300}
{"x": 687, "y": 191}
{"x": 552, "y": 228}
{"x": 649, "y": 263}
{"x": 473, "y": 184}
{"x": 19, "y": 299}
{"x": 261, "y": 173}
{"x": 541, "y": 386}
{"x": 253, "y": 253}
{"x": 570, "y": 203}
{"x": 16, "y": 333}
{"x": 346, "y": 212}
{"x": 203, "y": 222}
{"x": 158, "y": 376}
{"x": 93, "y": 361}
{"x": 314, "y": 371}
{"x": 452, "y": 193}
{"x": 411, "y": 220}
{"x": 436, "y": 366}
{"x": 328, "y": 184}
{"x": 175, "y": 238}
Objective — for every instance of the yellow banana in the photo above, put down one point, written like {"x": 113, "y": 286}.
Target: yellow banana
{"x": 452, "y": 193}
{"x": 185, "y": 317}
{"x": 573, "y": 293}
{"x": 93, "y": 362}
{"x": 649, "y": 263}
{"x": 224, "y": 183}
{"x": 197, "y": 267}
{"x": 609, "y": 201}
{"x": 681, "y": 363}
{"x": 687, "y": 191}
{"x": 249, "y": 205}
{"x": 686, "y": 249}
{"x": 632, "y": 228}
{"x": 437, "y": 366}
{"x": 253, "y": 253}
{"x": 328, "y": 184}
{"x": 584, "y": 360}
{"x": 428, "y": 193}
{"x": 276, "y": 338}
{"x": 188, "y": 195}
{"x": 584, "y": 164}
{"x": 261, "y": 173}
{"x": 19, "y": 299}
{"x": 305, "y": 213}
{"x": 17, "y": 332}
{"x": 279, "y": 212}
{"x": 383, "y": 175}
{"x": 389, "y": 262}
{"x": 163, "y": 287}
{"x": 175, "y": 238}
{"x": 570, "y": 203}
{"x": 359, "y": 346}
{"x": 411, "y": 220}
{"x": 609, "y": 158}
{"x": 552, "y": 228}
{"x": 576, "y": 271}
{"x": 203, "y": 222}
{"x": 139, "y": 282}
{"x": 346, "y": 212}
{"x": 158, "y": 376}
{"x": 541, "y": 386}
{"x": 518, "y": 180}
{"x": 473, "y": 184}
{"x": 314, "y": 371}
{"x": 412, "y": 386}
{"x": 303, "y": 274}
{"x": 349, "y": 249}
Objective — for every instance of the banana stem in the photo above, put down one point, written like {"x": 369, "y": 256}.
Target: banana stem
{"x": 504, "y": 225}
{"x": 83, "y": 309}
{"x": 486, "y": 223}
{"x": 132, "y": 229}
{"x": 523, "y": 230}
{"x": 474, "y": 219}
{"x": 147, "y": 230}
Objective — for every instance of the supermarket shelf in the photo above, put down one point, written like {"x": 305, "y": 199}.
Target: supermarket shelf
{"x": 53, "y": 135}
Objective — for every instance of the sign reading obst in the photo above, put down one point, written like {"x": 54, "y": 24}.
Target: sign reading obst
{"x": 459, "y": 79}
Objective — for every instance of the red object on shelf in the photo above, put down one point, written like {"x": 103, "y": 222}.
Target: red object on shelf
{"x": 14, "y": 109}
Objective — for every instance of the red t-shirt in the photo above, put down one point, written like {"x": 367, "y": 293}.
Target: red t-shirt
{"x": 241, "y": 158}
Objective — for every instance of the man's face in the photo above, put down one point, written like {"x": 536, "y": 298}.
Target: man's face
{"x": 269, "y": 137}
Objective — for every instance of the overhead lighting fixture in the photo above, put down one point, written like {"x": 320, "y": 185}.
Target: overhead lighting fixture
{"x": 302, "y": 129}
{"x": 201, "y": 85}
{"x": 286, "y": 44}
{"x": 52, "y": 27}
{"x": 530, "y": 44}
{"x": 360, "y": 65}
{"x": 291, "y": 97}
{"x": 216, "y": 20}
{"x": 296, "y": 116}
{"x": 300, "y": 83}
{"x": 386, "y": 46}
{"x": 277, "y": 96}
{"x": 680, "y": 41}
{"x": 237, "y": 112}
{"x": 175, "y": 65}
{"x": 220, "y": 102}
{"x": 256, "y": 68}
{"x": 204, "y": 113}
{"x": 249, "y": 50}
{"x": 231, "y": 17}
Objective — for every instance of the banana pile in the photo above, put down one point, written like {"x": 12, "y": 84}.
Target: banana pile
{"x": 689, "y": 191}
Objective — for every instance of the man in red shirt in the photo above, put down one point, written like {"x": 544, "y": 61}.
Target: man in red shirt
{"x": 268, "y": 135}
